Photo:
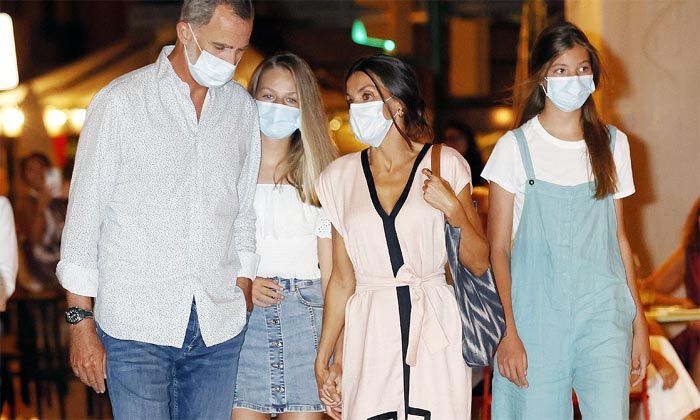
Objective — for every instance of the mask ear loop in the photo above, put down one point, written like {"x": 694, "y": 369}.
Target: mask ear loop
{"x": 393, "y": 117}
{"x": 195, "y": 37}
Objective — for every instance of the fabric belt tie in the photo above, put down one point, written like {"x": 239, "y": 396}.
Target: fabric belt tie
{"x": 425, "y": 325}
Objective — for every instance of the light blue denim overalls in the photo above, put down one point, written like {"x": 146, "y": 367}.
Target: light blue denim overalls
{"x": 572, "y": 306}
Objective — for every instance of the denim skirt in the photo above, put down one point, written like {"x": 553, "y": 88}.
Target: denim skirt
{"x": 276, "y": 367}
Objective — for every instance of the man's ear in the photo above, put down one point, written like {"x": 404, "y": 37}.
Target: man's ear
{"x": 183, "y": 32}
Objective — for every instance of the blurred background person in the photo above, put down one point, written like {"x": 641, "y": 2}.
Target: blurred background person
{"x": 38, "y": 226}
{"x": 677, "y": 282}
{"x": 672, "y": 393}
{"x": 460, "y": 137}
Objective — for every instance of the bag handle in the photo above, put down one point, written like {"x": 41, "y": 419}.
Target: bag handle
{"x": 435, "y": 169}
{"x": 435, "y": 159}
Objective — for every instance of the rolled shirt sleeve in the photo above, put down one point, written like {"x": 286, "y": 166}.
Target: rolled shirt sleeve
{"x": 8, "y": 252}
{"x": 244, "y": 225}
{"x": 91, "y": 188}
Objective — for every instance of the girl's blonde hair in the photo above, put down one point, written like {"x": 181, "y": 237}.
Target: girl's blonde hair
{"x": 311, "y": 149}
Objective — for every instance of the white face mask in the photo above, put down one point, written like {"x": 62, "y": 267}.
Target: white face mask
{"x": 278, "y": 121}
{"x": 569, "y": 93}
{"x": 368, "y": 122}
{"x": 209, "y": 70}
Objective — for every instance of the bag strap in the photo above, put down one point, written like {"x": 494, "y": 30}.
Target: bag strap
{"x": 435, "y": 159}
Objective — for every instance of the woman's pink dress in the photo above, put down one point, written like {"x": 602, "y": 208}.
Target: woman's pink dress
{"x": 403, "y": 340}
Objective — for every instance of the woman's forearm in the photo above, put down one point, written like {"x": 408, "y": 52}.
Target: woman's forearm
{"x": 337, "y": 295}
{"x": 500, "y": 263}
{"x": 473, "y": 245}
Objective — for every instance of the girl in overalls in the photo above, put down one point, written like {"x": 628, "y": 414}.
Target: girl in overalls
{"x": 562, "y": 261}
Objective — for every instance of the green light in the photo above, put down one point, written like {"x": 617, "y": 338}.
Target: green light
{"x": 358, "y": 33}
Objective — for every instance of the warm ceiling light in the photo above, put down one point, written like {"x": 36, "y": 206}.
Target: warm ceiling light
{"x": 502, "y": 117}
{"x": 9, "y": 78}
{"x": 11, "y": 121}
{"x": 76, "y": 119}
{"x": 54, "y": 120}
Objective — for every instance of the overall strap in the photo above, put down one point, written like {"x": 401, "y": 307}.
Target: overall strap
{"x": 524, "y": 153}
{"x": 612, "y": 130}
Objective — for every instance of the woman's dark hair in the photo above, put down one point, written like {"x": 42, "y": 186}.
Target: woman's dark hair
{"x": 473, "y": 153}
{"x": 691, "y": 230}
{"x": 24, "y": 163}
{"x": 401, "y": 82}
{"x": 552, "y": 42}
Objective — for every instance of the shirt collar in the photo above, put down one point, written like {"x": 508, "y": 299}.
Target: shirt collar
{"x": 164, "y": 66}
{"x": 166, "y": 72}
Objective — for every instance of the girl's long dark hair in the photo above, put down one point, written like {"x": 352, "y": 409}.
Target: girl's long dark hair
{"x": 401, "y": 82}
{"x": 550, "y": 44}
{"x": 691, "y": 230}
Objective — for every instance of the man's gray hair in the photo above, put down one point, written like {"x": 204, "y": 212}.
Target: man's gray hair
{"x": 200, "y": 12}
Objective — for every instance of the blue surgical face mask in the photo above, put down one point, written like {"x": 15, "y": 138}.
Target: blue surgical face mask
{"x": 209, "y": 70}
{"x": 278, "y": 121}
{"x": 569, "y": 93}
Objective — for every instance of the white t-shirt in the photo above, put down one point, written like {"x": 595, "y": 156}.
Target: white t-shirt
{"x": 556, "y": 161}
{"x": 8, "y": 252}
{"x": 286, "y": 232}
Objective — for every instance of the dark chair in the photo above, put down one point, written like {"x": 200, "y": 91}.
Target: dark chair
{"x": 39, "y": 356}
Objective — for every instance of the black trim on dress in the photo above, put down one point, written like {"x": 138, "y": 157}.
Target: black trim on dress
{"x": 403, "y": 293}
{"x": 388, "y": 220}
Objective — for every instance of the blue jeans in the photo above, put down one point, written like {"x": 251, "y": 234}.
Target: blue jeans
{"x": 149, "y": 381}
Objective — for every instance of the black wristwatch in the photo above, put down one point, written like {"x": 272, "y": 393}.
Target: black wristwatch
{"x": 75, "y": 315}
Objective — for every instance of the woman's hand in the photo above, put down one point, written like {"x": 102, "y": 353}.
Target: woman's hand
{"x": 512, "y": 360}
{"x": 667, "y": 372}
{"x": 266, "y": 292}
{"x": 640, "y": 350}
{"x": 438, "y": 193}
{"x": 329, "y": 382}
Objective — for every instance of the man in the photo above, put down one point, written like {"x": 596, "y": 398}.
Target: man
{"x": 39, "y": 238}
{"x": 160, "y": 226}
{"x": 33, "y": 198}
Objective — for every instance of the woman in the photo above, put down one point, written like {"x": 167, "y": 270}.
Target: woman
{"x": 682, "y": 269}
{"x": 562, "y": 261}
{"x": 276, "y": 368}
{"x": 461, "y": 137}
{"x": 402, "y": 341}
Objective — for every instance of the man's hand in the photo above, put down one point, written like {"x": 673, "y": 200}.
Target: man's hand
{"x": 87, "y": 356}
{"x": 246, "y": 286}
